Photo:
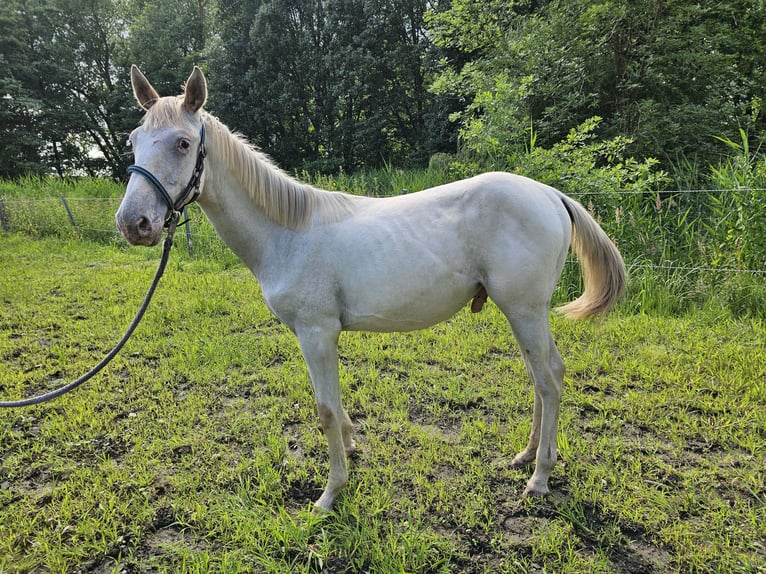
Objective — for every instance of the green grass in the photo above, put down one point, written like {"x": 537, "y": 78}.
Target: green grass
{"x": 198, "y": 448}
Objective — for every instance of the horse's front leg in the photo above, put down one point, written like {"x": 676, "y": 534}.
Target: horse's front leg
{"x": 319, "y": 346}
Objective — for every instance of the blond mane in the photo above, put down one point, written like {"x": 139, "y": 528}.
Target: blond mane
{"x": 290, "y": 203}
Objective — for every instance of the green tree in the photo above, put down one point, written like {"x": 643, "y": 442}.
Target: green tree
{"x": 168, "y": 38}
{"x": 62, "y": 99}
{"x": 66, "y": 104}
{"x": 668, "y": 75}
{"x": 20, "y": 109}
{"x": 24, "y": 113}
{"x": 326, "y": 84}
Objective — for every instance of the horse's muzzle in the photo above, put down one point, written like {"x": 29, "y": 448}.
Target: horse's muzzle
{"x": 140, "y": 230}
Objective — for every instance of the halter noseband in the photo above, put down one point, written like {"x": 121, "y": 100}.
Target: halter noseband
{"x": 190, "y": 193}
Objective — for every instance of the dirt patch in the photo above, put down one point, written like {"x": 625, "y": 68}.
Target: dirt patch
{"x": 162, "y": 535}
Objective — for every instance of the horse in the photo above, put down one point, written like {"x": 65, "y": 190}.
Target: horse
{"x": 329, "y": 261}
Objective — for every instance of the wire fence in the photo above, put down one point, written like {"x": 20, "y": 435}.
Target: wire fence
{"x": 662, "y": 192}
{"x": 92, "y": 218}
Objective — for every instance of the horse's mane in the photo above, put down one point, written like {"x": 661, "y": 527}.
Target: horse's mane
{"x": 285, "y": 200}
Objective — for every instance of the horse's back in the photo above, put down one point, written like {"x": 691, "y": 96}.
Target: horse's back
{"x": 491, "y": 212}
{"x": 510, "y": 197}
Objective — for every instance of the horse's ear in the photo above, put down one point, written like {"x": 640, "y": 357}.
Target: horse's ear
{"x": 195, "y": 92}
{"x": 146, "y": 95}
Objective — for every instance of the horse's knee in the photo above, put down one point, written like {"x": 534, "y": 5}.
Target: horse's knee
{"x": 549, "y": 389}
{"x": 327, "y": 418}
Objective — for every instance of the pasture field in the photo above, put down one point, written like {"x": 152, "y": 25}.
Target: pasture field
{"x": 198, "y": 449}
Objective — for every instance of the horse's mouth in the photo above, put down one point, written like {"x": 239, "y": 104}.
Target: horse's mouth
{"x": 138, "y": 235}
{"x": 146, "y": 241}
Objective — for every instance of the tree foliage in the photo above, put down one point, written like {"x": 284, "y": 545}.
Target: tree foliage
{"x": 61, "y": 98}
{"x": 325, "y": 85}
{"x": 66, "y": 100}
{"x": 670, "y": 76}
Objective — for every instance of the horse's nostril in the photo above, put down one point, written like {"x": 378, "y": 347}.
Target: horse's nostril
{"x": 144, "y": 226}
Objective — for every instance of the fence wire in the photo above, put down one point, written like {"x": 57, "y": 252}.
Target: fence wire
{"x": 191, "y": 235}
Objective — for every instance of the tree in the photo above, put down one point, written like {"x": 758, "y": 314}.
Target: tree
{"x": 21, "y": 108}
{"x": 320, "y": 84}
{"x": 668, "y": 75}
{"x": 61, "y": 98}
{"x": 326, "y": 84}
{"x": 168, "y": 38}
{"x": 66, "y": 101}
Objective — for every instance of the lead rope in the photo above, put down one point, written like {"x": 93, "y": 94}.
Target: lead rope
{"x": 166, "y": 245}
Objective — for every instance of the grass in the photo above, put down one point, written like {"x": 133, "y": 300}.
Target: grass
{"x": 198, "y": 449}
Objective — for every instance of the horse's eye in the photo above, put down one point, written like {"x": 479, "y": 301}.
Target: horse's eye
{"x": 184, "y": 144}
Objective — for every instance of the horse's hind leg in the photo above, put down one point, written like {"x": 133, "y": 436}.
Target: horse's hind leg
{"x": 546, "y": 369}
{"x": 347, "y": 431}
{"x": 527, "y": 456}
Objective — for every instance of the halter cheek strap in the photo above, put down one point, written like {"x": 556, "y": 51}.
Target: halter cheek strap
{"x": 191, "y": 191}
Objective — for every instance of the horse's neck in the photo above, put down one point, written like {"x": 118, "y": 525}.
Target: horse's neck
{"x": 237, "y": 220}
{"x": 252, "y": 204}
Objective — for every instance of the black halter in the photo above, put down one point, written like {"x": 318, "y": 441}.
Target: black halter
{"x": 190, "y": 193}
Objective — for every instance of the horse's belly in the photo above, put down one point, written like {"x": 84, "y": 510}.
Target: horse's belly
{"x": 406, "y": 309}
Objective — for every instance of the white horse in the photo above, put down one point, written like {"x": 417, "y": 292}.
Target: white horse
{"x": 328, "y": 261}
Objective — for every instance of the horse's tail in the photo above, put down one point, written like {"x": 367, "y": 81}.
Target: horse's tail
{"x": 602, "y": 265}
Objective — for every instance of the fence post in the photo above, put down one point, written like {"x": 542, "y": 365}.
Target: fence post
{"x": 4, "y": 217}
{"x": 68, "y": 211}
{"x": 187, "y": 225}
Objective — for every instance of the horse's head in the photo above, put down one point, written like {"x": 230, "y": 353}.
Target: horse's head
{"x": 169, "y": 151}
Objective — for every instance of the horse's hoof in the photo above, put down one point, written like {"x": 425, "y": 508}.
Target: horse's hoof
{"x": 522, "y": 460}
{"x": 324, "y": 504}
{"x": 319, "y": 511}
{"x": 536, "y": 491}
